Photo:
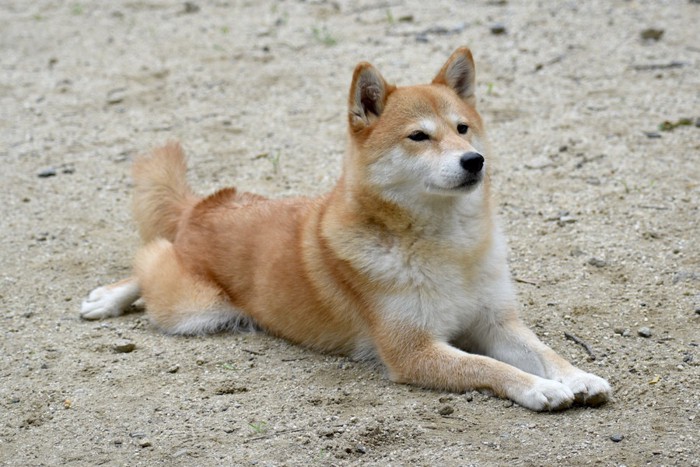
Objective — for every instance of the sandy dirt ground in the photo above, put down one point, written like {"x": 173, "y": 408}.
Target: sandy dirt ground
{"x": 599, "y": 200}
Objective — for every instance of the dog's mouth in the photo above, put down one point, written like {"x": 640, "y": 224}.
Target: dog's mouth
{"x": 469, "y": 183}
{"x": 463, "y": 186}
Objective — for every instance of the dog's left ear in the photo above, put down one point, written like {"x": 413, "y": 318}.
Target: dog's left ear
{"x": 459, "y": 74}
{"x": 368, "y": 94}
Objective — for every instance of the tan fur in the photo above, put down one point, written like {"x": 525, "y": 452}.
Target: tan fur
{"x": 402, "y": 260}
{"x": 161, "y": 192}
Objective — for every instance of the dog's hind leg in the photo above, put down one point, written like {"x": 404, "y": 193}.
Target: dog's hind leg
{"x": 180, "y": 302}
{"x": 110, "y": 300}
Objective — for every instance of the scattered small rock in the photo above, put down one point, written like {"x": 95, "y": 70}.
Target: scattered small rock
{"x": 497, "y": 29}
{"x": 652, "y": 34}
{"x": 191, "y": 7}
{"x": 624, "y": 332}
{"x": 47, "y": 172}
{"x": 181, "y": 452}
{"x": 361, "y": 449}
{"x": 562, "y": 218}
{"x": 567, "y": 219}
{"x": 145, "y": 443}
{"x": 616, "y": 438}
{"x": 173, "y": 369}
{"x": 652, "y": 134}
{"x": 446, "y": 410}
{"x": 124, "y": 346}
{"x": 644, "y": 332}
{"x": 116, "y": 96}
{"x": 697, "y": 310}
{"x": 597, "y": 262}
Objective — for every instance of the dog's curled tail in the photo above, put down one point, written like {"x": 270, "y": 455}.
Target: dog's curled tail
{"x": 161, "y": 193}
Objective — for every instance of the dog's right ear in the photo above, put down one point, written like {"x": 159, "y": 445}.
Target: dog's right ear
{"x": 368, "y": 93}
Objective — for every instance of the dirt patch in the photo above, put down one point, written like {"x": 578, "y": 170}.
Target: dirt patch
{"x": 594, "y": 125}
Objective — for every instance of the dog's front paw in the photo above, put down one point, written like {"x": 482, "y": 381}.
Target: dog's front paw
{"x": 588, "y": 388}
{"x": 545, "y": 394}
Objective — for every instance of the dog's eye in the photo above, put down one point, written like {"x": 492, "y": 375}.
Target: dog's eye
{"x": 462, "y": 128}
{"x": 419, "y": 136}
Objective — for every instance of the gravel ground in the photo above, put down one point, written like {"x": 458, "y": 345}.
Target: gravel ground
{"x": 599, "y": 198}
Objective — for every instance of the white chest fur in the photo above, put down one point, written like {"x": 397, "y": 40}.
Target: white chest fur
{"x": 442, "y": 284}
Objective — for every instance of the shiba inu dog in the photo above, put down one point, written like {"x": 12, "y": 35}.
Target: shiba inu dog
{"x": 403, "y": 260}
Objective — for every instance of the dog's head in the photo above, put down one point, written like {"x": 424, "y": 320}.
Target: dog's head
{"x": 409, "y": 143}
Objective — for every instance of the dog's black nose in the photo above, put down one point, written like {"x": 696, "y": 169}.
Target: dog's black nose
{"x": 472, "y": 162}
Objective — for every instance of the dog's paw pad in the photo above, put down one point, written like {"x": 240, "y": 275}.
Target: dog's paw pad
{"x": 546, "y": 395}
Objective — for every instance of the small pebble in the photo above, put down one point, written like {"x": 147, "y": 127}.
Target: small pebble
{"x": 446, "y": 410}
{"x": 616, "y": 438}
{"x": 174, "y": 369}
{"x": 567, "y": 219}
{"x": 145, "y": 443}
{"x": 361, "y": 449}
{"x": 497, "y": 29}
{"x": 116, "y": 96}
{"x": 652, "y": 34}
{"x": 644, "y": 332}
{"x": 191, "y": 7}
{"x": 181, "y": 452}
{"x": 46, "y": 173}
{"x": 124, "y": 346}
{"x": 597, "y": 262}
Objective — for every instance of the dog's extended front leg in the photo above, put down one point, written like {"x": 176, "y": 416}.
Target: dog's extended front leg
{"x": 415, "y": 357}
{"x": 110, "y": 300}
{"x": 512, "y": 342}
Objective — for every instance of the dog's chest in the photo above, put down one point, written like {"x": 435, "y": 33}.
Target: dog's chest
{"x": 443, "y": 285}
